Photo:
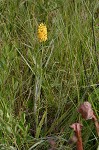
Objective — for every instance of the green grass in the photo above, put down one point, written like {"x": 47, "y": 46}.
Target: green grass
{"x": 42, "y": 84}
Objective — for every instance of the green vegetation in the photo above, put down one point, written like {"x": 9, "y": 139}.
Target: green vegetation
{"x": 42, "y": 84}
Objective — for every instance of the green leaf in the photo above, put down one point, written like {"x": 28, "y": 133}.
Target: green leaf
{"x": 40, "y": 125}
{"x": 36, "y": 144}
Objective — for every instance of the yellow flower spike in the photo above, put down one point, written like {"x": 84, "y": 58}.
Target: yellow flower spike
{"x": 42, "y": 32}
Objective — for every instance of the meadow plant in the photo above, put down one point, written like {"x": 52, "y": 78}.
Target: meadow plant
{"x": 48, "y": 66}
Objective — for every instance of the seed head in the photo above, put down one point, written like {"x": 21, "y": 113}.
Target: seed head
{"x": 86, "y": 110}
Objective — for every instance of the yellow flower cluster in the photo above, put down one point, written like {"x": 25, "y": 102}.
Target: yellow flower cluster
{"x": 42, "y": 32}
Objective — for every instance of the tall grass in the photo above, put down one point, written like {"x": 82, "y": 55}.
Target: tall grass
{"x": 42, "y": 84}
